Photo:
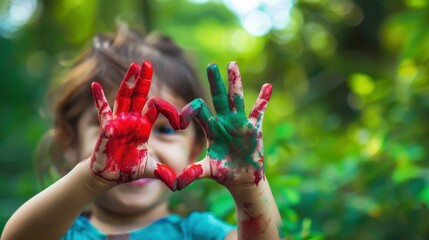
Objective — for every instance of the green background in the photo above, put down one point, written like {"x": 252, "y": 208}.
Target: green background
{"x": 345, "y": 133}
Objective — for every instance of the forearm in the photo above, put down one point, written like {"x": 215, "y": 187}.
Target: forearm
{"x": 257, "y": 214}
{"x": 49, "y": 214}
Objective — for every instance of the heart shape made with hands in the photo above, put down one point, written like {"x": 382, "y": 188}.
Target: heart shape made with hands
{"x": 235, "y": 148}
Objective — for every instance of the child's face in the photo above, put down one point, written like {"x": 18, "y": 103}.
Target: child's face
{"x": 175, "y": 149}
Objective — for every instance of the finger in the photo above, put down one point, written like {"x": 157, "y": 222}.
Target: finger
{"x": 235, "y": 88}
{"x": 157, "y": 105}
{"x": 217, "y": 89}
{"x": 196, "y": 109}
{"x": 257, "y": 112}
{"x": 142, "y": 87}
{"x": 125, "y": 92}
{"x": 166, "y": 175}
{"x": 162, "y": 172}
{"x": 193, "y": 172}
{"x": 104, "y": 112}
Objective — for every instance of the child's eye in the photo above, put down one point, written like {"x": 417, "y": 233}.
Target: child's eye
{"x": 165, "y": 130}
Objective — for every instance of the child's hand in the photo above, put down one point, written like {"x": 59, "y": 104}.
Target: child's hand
{"x": 235, "y": 151}
{"x": 120, "y": 154}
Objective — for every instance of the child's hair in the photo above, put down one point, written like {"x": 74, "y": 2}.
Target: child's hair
{"x": 106, "y": 62}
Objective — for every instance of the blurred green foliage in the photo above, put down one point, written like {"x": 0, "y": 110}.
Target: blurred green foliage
{"x": 345, "y": 132}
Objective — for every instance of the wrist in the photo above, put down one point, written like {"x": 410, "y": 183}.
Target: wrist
{"x": 93, "y": 182}
{"x": 250, "y": 190}
{"x": 257, "y": 214}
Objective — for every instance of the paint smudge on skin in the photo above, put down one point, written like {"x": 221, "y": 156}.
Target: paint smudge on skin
{"x": 280, "y": 230}
{"x": 237, "y": 102}
{"x": 235, "y": 141}
{"x": 125, "y": 160}
{"x": 156, "y": 105}
{"x": 261, "y": 103}
{"x": 190, "y": 174}
{"x": 247, "y": 205}
{"x": 126, "y": 89}
{"x": 253, "y": 227}
{"x": 234, "y": 73}
{"x": 142, "y": 87}
{"x": 259, "y": 173}
{"x": 222, "y": 174}
{"x": 166, "y": 175}
{"x": 196, "y": 109}
{"x": 233, "y": 146}
{"x": 217, "y": 89}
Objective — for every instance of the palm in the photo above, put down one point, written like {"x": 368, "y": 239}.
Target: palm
{"x": 128, "y": 131}
{"x": 124, "y": 138}
{"x": 233, "y": 144}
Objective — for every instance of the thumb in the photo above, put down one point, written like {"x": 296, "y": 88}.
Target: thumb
{"x": 193, "y": 172}
{"x": 162, "y": 172}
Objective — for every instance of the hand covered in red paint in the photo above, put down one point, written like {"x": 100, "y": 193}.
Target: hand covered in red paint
{"x": 235, "y": 149}
{"x": 120, "y": 154}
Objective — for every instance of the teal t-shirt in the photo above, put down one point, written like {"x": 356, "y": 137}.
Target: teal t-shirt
{"x": 196, "y": 226}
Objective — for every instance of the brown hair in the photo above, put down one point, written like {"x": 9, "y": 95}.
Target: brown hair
{"x": 106, "y": 62}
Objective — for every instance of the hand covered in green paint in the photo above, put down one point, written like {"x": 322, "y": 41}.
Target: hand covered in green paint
{"x": 235, "y": 149}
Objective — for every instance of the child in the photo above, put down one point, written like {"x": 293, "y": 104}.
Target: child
{"x": 118, "y": 178}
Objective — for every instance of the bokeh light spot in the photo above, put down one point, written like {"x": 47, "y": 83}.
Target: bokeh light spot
{"x": 259, "y": 17}
{"x": 407, "y": 70}
{"x": 14, "y": 14}
{"x": 361, "y": 84}
{"x": 257, "y": 23}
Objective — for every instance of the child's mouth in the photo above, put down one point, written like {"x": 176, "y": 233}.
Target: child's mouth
{"x": 141, "y": 182}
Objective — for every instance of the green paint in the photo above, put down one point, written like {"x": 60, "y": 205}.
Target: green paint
{"x": 280, "y": 230}
{"x": 219, "y": 148}
{"x": 230, "y": 140}
{"x": 197, "y": 108}
{"x": 239, "y": 103}
{"x": 215, "y": 78}
{"x": 231, "y": 134}
{"x": 217, "y": 88}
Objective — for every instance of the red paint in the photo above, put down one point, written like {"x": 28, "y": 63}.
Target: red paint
{"x": 190, "y": 174}
{"x": 259, "y": 174}
{"x": 253, "y": 227}
{"x": 134, "y": 88}
{"x": 223, "y": 174}
{"x": 231, "y": 143}
{"x": 125, "y": 135}
{"x": 142, "y": 87}
{"x": 196, "y": 109}
{"x": 158, "y": 105}
{"x": 267, "y": 89}
{"x": 125, "y": 92}
{"x": 120, "y": 152}
{"x": 185, "y": 118}
{"x": 263, "y": 98}
{"x": 190, "y": 111}
{"x": 101, "y": 103}
{"x": 258, "y": 110}
{"x": 166, "y": 175}
{"x": 232, "y": 103}
{"x": 233, "y": 72}
{"x": 247, "y": 205}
